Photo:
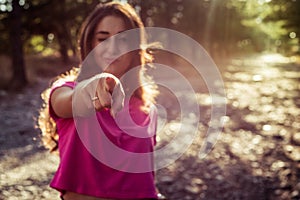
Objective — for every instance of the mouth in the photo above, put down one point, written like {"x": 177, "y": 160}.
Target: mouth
{"x": 109, "y": 60}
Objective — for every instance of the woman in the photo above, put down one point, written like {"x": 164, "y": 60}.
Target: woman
{"x": 82, "y": 174}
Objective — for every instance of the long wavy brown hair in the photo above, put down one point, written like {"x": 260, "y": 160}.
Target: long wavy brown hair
{"x": 146, "y": 92}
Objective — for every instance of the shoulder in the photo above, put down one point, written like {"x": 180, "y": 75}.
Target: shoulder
{"x": 63, "y": 83}
{"x": 66, "y": 79}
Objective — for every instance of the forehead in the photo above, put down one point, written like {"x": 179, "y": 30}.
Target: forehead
{"x": 111, "y": 24}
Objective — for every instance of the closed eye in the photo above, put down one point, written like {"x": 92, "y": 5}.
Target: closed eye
{"x": 101, "y": 39}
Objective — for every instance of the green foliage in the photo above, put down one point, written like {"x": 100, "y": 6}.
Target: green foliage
{"x": 62, "y": 18}
{"x": 38, "y": 45}
{"x": 222, "y": 26}
{"x": 269, "y": 22}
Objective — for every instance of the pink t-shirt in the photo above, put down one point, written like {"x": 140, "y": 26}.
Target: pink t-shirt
{"x": 112, "y": 158}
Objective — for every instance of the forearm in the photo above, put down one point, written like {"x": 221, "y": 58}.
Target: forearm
{"x": 104, "y": 87}
{"x": 61, "y": 102}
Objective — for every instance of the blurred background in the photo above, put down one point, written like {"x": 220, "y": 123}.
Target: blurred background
{"x": 225, "y": 28}
{"x": 256, "y": 46}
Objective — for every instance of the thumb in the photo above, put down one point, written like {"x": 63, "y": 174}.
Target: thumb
{"x": 118, "y": 96}
{"x": 110, "y": 84}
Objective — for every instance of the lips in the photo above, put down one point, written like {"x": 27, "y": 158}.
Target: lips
{"x": 110, "y": 60}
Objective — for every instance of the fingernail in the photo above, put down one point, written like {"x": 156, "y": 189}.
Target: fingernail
{"x": 109, "y": 79}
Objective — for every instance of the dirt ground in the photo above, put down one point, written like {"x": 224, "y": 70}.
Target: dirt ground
{"x": 257, "y": 155}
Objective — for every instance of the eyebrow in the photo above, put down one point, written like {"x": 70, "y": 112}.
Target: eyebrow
{"x": 106, "y": 32}
{"x": 103, "y": 32}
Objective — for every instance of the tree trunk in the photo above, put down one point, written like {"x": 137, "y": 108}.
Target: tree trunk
{"x": 211, "y": 16}
{"x": 63, "y": 48}
{"x": 63, "y": 33}
{"x": 19, "y": 79}
{"x": 143, "y": 12}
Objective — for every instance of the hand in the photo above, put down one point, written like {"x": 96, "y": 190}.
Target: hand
{"x": 101, "y": 91}
{"x": 109, "y": 94}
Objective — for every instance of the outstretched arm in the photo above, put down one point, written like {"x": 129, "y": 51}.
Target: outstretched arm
{"x": 101, "y": 91}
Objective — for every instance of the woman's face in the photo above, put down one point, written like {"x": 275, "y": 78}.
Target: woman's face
{"x": 107, "y": 54}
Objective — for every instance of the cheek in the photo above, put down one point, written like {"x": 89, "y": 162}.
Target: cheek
{"x": 98, "y": 55}
{"x": 98, "y": 49}
{"x": 126, "y": 61}
{"x": 121, "y": 66}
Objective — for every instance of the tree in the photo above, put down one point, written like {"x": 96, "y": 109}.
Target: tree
{"x": 19, "y": 75}
{"x": 288, "y": 13}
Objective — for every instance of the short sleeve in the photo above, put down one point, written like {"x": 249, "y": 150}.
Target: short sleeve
{"x": 56, "y": 85}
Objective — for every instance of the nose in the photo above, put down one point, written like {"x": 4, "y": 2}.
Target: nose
{"x": 112, "y": 46}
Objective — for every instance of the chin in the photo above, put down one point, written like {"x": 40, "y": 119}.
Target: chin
{"x": 113, "y": 73}
{"x": 112, "y": 70}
